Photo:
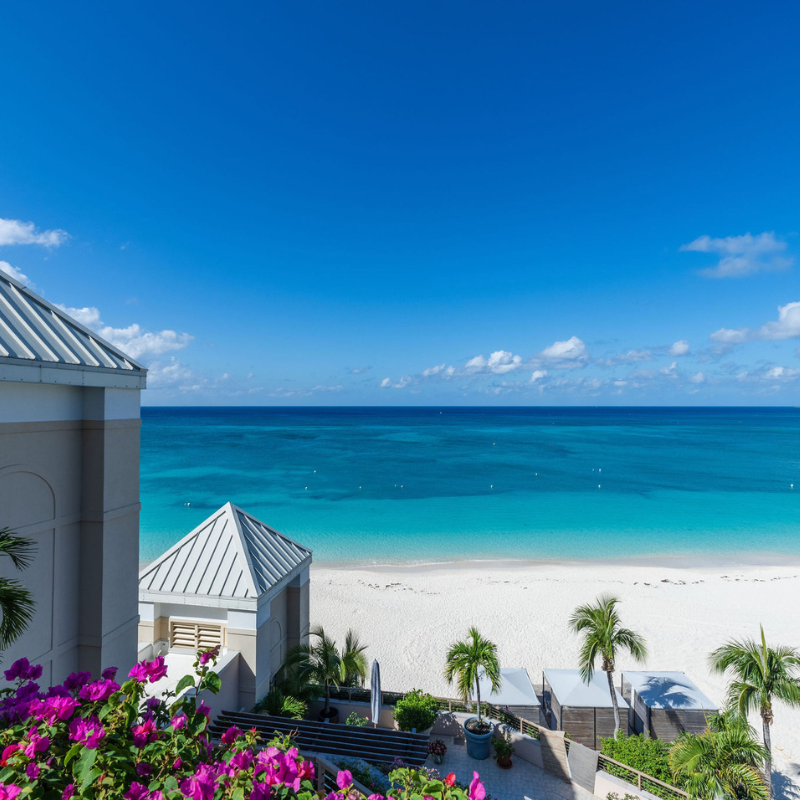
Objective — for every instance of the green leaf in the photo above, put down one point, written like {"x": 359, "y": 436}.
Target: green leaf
{"x": 71, "y": 753}
{"x": 7, "y": 774}
{"x": 85, "y": 763}
{"x": 90, "y": 778}
{"x": 238, "y": 793}
{"x": 213, "y": 682}
{"x": 184, "y": 683}
{"x": 171, "y": 784}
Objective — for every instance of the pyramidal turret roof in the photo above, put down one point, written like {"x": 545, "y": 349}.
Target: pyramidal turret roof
{"x": 35, "y": 333}
{"x": 230, "y": 556}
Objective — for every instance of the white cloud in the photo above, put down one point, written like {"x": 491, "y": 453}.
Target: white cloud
{"x": 698, "y": 378}
{"x": 170, "y": 374}
{"x": 787, "y": 325}
{"x": 133, "y": 340}
{"x": 632, "y": 356}
{"x": 426, "y": 373}
{"x": 679, "y": 348}
{"x": 386, "y": 383}
{"x": 537, "y": 375}
{"x": 359, "y": 370}
{"x": 671, "y": 371}
{"x": 570, "y": 350}
{"x": 742, "y": 255}
{"x": 88, "y": 316}
{"x": 16, "y": 274}
{"x": 499, "y": 363}
{"x": 13, "y": 231}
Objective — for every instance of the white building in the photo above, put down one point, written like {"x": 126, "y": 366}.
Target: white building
{"x": 69, "y": 480}
{"x": 232, "y": 581}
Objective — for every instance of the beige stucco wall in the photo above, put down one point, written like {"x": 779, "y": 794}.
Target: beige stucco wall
{"x": 69, "y": 480}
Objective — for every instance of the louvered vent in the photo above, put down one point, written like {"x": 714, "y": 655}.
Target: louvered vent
{"x": 194, "y": 635}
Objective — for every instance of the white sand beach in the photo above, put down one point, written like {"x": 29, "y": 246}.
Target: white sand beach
{"x": 409, "y": 615}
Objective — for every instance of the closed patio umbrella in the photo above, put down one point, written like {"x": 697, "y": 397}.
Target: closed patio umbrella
{"x": 375, "y": 696}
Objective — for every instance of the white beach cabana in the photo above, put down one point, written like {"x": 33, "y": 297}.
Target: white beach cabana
{"x": 583, "y": 710}
{"x": 665, "y": 704}
{"x": 234, "y": 582}
{"x": 516, "y": 692}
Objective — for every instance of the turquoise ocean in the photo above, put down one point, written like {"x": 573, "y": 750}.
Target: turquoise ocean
{"x": 392, "y": 485}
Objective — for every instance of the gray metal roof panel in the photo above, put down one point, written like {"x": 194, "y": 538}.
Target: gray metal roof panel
{"x": 35, "y": 331}
{"x": 229, "y": 555}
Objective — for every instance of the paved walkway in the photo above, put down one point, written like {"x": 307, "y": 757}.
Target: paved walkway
{"x": 523, "y": 780}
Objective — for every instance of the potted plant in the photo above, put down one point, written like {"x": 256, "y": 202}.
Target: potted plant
{"x": 322, "y": 663}
{"x": 503, "y": 749}
{"x": 416, "y": 712}
{"x": 437, "y": 748}
{"x": 465, "y": 661}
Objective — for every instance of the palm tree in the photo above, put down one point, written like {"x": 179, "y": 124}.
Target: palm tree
{"x": 465, "y": 660}
{"x": 604, "y": 636}
{"x": 761, "y": 674}
{"x": 721, "y": 762}
{"x": 16, "y": 602}
{"x": 322, "y": 663}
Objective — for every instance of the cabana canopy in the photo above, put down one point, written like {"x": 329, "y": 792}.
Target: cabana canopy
{"x": 516, "y": 689}
{"x": 570, "y": 690}
{"x": 668, "y": 690}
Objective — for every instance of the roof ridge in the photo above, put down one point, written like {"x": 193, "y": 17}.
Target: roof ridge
{"x": 36, "y": 319}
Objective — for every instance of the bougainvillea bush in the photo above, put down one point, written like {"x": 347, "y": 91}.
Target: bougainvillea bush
{"x": 103, "y": 740}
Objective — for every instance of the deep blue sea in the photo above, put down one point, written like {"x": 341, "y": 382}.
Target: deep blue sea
{"x": 383, "y": 485}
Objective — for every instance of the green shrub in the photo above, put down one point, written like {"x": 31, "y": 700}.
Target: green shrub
{"x": 650, "y": 756}
{"x": 416, "y": 711}
{"x": 277, "y": 704}
{"x": 356, "y": 720}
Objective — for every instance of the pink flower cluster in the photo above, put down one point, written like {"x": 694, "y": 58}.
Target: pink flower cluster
{"x": 149, "y": 671}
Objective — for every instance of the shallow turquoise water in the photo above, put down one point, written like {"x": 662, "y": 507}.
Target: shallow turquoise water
{"x": 383, "y": 485}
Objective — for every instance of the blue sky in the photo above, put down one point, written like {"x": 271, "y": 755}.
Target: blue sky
{"x": 415, "y": 203}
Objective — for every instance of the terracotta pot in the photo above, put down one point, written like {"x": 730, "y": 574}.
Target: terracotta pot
{"x": 505, "y": 762}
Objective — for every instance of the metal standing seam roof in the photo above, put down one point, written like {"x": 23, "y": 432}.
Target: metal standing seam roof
{"x": 231, "y": 555}
{"x": 674, "y": 690}
{"x": 33, "y": 331}
{"x": 570, "y": 690}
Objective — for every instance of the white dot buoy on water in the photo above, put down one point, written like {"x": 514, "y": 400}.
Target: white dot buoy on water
{"x": 599, "y": 470}
{"x": 491, "y": 486}
{"x": 598, "y": 485}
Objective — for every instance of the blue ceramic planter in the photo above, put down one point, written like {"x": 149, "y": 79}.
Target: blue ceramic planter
{"x": 478, "y": 746}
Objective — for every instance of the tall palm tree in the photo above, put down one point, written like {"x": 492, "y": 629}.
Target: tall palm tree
{"x": 761, "y": 674}
{"x": 465, "y": 660}
{"x": 721, "y": 762}
{"x": 16, "y": 602}
{"x": 604, "y": 636}
{"x": 322, "y": 663}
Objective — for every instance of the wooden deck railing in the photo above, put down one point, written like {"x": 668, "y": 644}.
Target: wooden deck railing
{"x": 641, "y": 780}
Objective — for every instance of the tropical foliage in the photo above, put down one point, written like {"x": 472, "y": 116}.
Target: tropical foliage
{"x": 604, "y": 637}
{"x": 416, "y": 711}
{"x": 760, "y": 675}
{"x": 320, "y": 662}
{"x": 465, "y": 662}
{"x": 650, "y": 756}
{"x": 105, "y": 741}
{"x": 277, "y": 704}
{"x": 722, "y": 762}
{"x": 16, "y": 602}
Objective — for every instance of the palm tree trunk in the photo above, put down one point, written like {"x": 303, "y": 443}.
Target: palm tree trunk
{"x": 478, "y": 691}
{"x": 768, "y": 759}
{"x": 610, "y": 677}
{"x": 327, "y": 700}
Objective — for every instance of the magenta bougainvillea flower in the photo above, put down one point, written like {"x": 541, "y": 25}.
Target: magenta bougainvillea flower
{"x": 206, "y": 656}
{"x": 87, "y": 731}
{"x": 9, "y": 791}
{"x": 80, "y": 733}
{"x": 99, "y": 690}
